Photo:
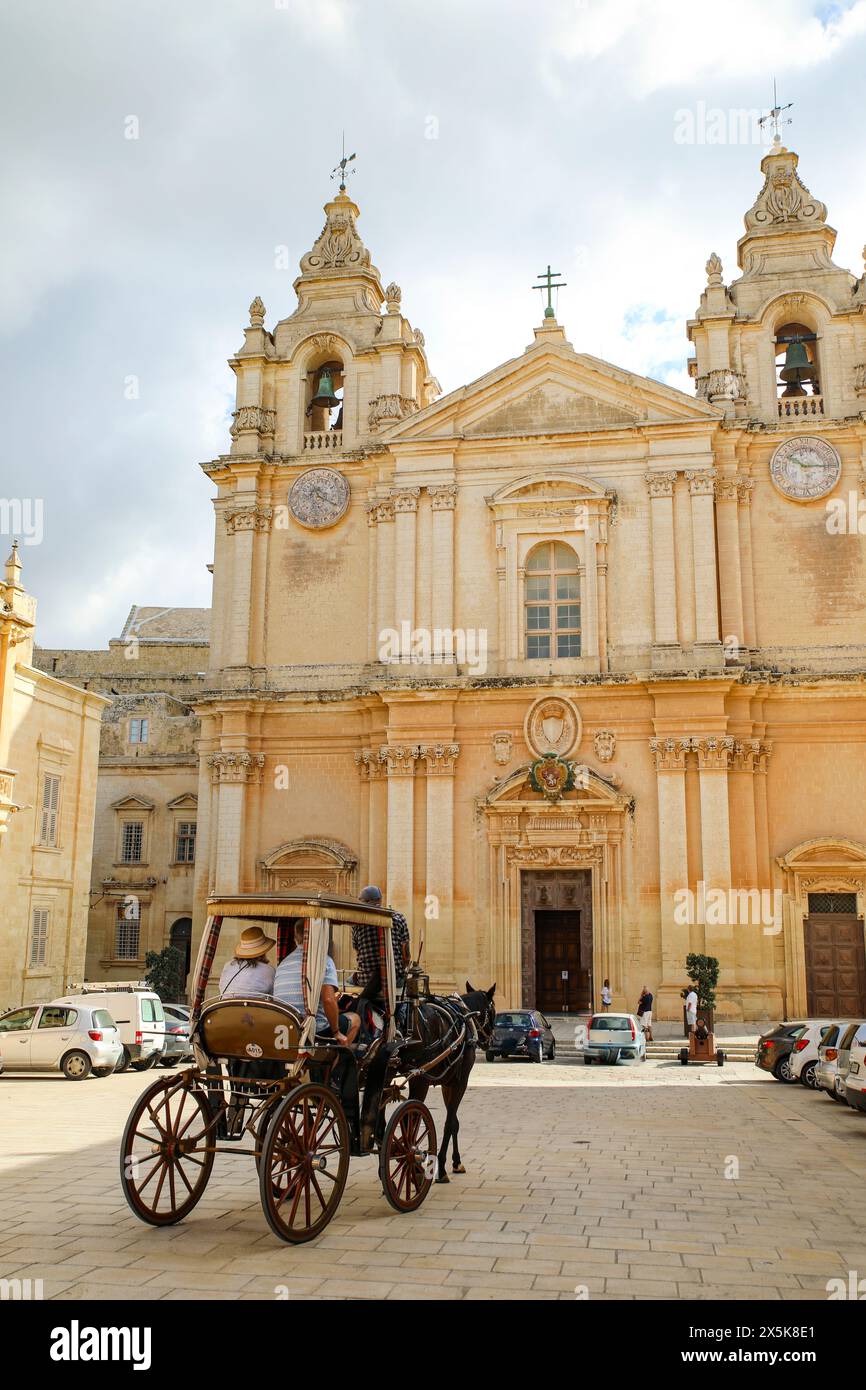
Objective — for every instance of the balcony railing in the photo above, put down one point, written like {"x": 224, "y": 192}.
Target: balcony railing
{"x": 791, "y": 407}
{"x": 323, "y": 439}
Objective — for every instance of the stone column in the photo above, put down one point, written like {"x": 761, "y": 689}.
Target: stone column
{"x": 440, "y": 760}
{"x": 384, "y": 570}
{"x": 702, "y": 490}
{"x": 730, "y": 577}
{"x": 400, "y": 763}
{"x": 443, "y": 501}
{"x": 744, "y": 497}
{"x": 661, "y": 491}
{"x": 233, "y": 772}
{"x": 670, "y": 759}
{"x": 244, "y": 519}
{"x": 372, "y": 584}
{"x": 714, "y": 753}
{"x": 372, "y": 771}
{"x": 405, "y": 525}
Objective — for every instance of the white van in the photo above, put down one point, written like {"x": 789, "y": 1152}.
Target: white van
{"x": 139, "y": 1016}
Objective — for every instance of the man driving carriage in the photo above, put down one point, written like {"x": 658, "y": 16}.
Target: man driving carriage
{"x": 288, "y": 989}
{"x": 365, "y": 942}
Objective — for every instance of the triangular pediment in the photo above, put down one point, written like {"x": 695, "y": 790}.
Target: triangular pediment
{"x": 133, "y": 803}
{"x": 551, "y": 389}
{"x": 187, "y": 802}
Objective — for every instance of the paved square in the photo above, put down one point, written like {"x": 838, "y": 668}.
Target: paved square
{"x": 608, "y": 1180}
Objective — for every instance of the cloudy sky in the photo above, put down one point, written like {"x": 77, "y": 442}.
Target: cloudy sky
{"x": 493, "y": 137}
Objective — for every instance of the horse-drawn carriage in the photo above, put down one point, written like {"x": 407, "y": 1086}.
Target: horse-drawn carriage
{"x": 305, "y": 1114}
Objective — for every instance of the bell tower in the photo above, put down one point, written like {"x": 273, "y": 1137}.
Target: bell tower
{"x": 787, "y": 340}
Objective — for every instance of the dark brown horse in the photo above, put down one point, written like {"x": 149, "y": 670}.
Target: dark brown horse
{"x": 446, "y": 1032}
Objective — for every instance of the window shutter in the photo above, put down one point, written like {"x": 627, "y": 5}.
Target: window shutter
{"x": 50, "y": 803}
{"x": 39, "y": 936}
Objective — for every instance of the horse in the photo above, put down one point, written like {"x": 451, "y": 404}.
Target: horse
{"x": 438, "y": 1025}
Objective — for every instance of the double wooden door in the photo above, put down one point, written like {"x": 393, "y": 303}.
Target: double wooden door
{"x": 835, "y": 957}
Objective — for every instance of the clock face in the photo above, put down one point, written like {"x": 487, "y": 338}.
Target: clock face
{"x": 319, "y": 497}
{"x": 805, "y": 469}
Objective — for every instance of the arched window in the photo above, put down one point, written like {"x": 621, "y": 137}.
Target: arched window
{"x": 552, "y": 602}
{"x": 796, "y": 361}
{"x": 324, "y": 393}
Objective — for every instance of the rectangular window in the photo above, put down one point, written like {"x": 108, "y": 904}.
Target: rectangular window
{"x": 39, "y": 936}
{"x": 538, "y": 646}
{"x": 138, "y": 730}
{"x": 50, "y": 805}
{"x": 185, "y": 847}
{"x": 126, "y": 935}
{"x": 133, "y": 840}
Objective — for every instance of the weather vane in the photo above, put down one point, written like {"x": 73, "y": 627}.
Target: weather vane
{"x": 774, "y": 114}
{"x": 342, "y": 166}
{"x": 549, "y": 276}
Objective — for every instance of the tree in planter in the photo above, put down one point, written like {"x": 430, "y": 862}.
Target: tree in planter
{"x": 164, "y": 973}
{"x": 703, "y": 971}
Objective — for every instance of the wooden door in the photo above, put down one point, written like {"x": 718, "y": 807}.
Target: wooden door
{"x": 835, "y": 957}
{"x": 561, "y": 986}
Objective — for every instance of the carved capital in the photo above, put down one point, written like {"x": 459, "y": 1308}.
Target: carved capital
{"x": 369, "y": 765}
{"x": 726, "y": 489}
{"x": 443, "y": 497}
{"x": 745, "y": 487}
{"x": 384, "y": 510}
{"x": 244, "y": 767}
{"x": 670, "y": 753}
{"x": 390, "y": 407}
{"x": 405, "y": 499}
{"x": 714, "y": 752}
{"x": 248, "y": 518}
{"x": 701, "y": 481}
{"x": 440, "y": 758}
{"x": 254, "y": 418}
{"x": 399, "y": 759}
{"x": 661, "y": 484}
{"x": 721, "y": 384}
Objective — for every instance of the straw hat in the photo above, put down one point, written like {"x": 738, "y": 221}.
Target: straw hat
{"x": 252, "y": 943}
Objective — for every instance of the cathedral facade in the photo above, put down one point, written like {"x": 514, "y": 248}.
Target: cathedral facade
{"x": 569, "y": 661}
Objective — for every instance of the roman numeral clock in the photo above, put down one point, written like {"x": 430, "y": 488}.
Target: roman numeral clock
{"x": 805, "y": 469}
{"x": 319, "y": 497}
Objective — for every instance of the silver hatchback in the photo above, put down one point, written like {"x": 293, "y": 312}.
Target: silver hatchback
{"x": 57, "y": 1037}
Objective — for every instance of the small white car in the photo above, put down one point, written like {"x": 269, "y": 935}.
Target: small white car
{"x": 613, "y": 1038}
{"x": 833, "y": 1058}
{"x": 855, "y": 1080}
{"x": 139, "y": 1017}
{"x": 76, "y": 1040}
{"x": 804, "y": 1054}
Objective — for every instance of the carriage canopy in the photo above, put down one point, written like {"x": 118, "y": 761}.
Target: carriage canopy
{"x": 321, "y": 913}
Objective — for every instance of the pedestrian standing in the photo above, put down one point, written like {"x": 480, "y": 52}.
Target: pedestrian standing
{"x": 645, "y": 1012}
{"x": 606, "y": 996}
{"x": 691, "y": 1008}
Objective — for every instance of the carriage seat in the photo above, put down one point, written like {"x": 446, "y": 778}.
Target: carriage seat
{"x": 249, "y": 1029}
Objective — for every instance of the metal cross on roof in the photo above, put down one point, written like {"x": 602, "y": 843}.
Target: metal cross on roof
{"x": 774, "y": 113}
{"x": 340, "y": 168}
{"x": 549, "y": 276}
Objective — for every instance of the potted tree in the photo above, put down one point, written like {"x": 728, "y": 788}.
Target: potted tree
{"x": 703, "y": 971}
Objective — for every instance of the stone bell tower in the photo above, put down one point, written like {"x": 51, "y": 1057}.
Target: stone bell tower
{"x": 317, "y": 391}
{"x": 787, "y": 340}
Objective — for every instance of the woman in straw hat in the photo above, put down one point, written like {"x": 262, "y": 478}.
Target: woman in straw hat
{"x": 249, "y": 973}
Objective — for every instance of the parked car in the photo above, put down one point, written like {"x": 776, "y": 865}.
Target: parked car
{"x": 833, "y": 1058}
{"x": 140, "y": 1022}
{"x": 76, "y": 1040}
{"x": 774, "y": 1050}
{"x": 177, "y": 1044}
{"x": 804, "y": 1055}
{"x": 855, "y": 1079}
{"x": 521, "y": 1033}
{"x": 613, "y": 1037}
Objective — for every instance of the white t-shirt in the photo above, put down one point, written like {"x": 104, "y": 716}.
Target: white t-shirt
{"x": 691, "y": 1003}
{"x": 241, "y": 978}
{"x": 606, "y": 995}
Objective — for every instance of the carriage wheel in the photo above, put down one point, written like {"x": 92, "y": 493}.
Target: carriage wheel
{"x": 407, "y": 1161}
{"x": 167, "y": 1152}
{"x": 304, "y": 1163}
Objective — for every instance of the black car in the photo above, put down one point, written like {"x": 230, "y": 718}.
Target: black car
{"x": 775, "y": 1048}
{"x": 522, "y": 1033}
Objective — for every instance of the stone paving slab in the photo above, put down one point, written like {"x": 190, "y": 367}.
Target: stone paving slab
{"x": 610, "y": 1180}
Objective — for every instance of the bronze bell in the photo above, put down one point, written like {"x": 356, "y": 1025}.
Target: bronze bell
{"x": 796, "y": 370}
{"x": 325, "y": 391}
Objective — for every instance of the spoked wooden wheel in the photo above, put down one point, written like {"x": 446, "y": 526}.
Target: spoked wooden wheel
{"x": 167, "y": 1152}
{"x": 304, "y": 1163}
{"x": 407, "y": 1161}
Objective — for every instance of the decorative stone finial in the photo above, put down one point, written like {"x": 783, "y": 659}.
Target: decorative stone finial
{"x": 13, "y": 566}
{"x": 393, "y": 297}
{"x": 257, "y": 313}
{"x": 714, "y": 270}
